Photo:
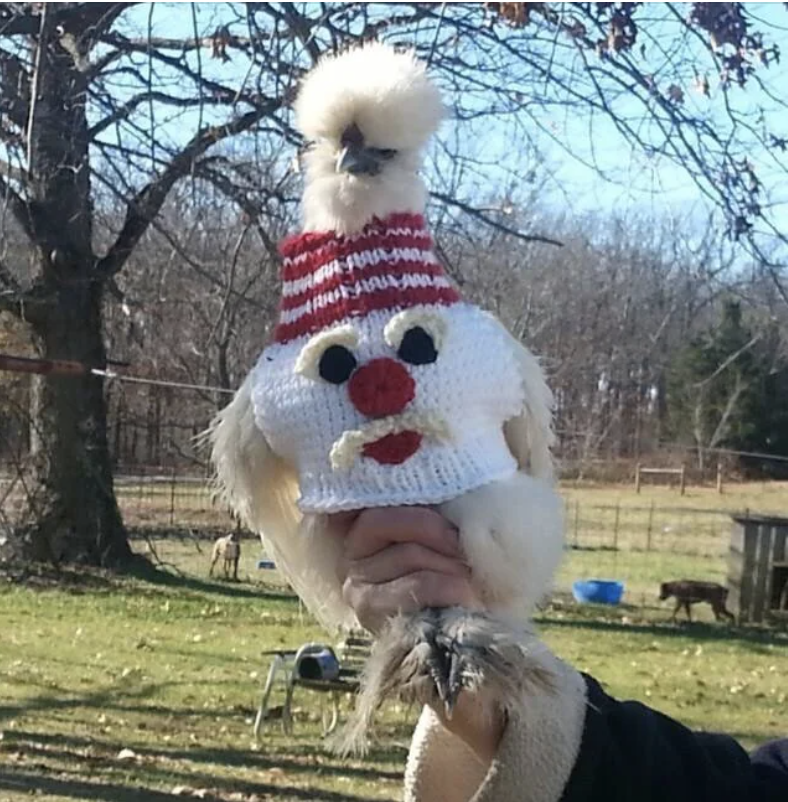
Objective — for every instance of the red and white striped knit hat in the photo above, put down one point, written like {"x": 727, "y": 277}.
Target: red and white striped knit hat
{"x": 327, "y": 279}
{"x": 382, "y": 386}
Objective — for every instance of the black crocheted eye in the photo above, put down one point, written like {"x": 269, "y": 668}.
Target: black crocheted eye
{"x": 417, "y": 347}
{"x": 336, "y": 364}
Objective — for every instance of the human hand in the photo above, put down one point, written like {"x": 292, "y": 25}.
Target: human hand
{"x": 402, "y": 560}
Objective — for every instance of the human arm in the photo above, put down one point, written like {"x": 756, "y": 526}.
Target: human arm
{"x": 573, "y": 744}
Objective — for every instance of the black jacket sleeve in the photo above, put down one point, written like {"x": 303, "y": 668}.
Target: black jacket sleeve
{"x": 631, "y": 753}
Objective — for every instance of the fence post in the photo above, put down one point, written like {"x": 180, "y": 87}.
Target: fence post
{"x": 719, "y": 478}
{"x": 637, "y": 478}
{"x": 172, "y": 497}
{"x": 650, "y": 526}
{"x": 615, "y": 526}
{"x": 141, "y": 484}
{"x": 577, "y": 519}
{"x": 683, "y": 478}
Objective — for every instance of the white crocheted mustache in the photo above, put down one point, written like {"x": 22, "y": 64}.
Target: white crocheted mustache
{"x": 351, "y": 444}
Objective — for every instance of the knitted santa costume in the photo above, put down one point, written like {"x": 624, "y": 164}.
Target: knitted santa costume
{"x": 382, "y": 386}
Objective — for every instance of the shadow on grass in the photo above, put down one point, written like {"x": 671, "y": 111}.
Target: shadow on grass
{"x": 157, "y": 578}
{"x": 703, "y": 631}
{"x": 311, "y": 758}
{"x": 115, "y": 698}
{"x": 29, "y": 782}
{"x": 45, "y": 576}
{"x": 101, "y": 700}
{"x": 602, "y": 547}
{"x": 152, "y": 578}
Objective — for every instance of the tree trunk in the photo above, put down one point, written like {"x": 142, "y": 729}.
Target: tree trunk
{"x": 71, "y": 514}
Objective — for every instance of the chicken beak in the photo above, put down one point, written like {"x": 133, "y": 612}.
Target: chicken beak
{"x": 357, "y": 161}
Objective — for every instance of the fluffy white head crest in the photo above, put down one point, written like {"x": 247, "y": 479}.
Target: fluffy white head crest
{"x": 388, "y": 96}
{"x": 386, "y": 93}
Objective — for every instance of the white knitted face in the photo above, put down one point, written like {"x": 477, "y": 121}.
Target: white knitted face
{"x": 391, "y": 409}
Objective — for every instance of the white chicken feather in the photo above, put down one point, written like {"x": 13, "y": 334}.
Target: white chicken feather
{"x": 369, "y": 113}
{"x": 388, "y": 97}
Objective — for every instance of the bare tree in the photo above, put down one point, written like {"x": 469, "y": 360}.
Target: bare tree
{"x": 105, "y": 108}
{"x": 61, "y": 68}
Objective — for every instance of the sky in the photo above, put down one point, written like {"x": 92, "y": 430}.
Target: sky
{"x": 628, "y": 179}
{"x": 625, "y": 180}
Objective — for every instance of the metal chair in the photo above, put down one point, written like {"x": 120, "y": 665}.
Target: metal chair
{"x": 288, "y": 665}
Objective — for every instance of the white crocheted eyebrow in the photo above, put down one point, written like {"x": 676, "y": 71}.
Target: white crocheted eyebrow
{"x": 428, "y": 319}
{"x": 308, "y": 361}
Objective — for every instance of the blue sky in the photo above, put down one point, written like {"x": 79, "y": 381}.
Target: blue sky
{"x": 625, "y": 179}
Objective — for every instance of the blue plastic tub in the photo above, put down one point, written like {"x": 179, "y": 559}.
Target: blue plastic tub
{"x": 598, "y": 591}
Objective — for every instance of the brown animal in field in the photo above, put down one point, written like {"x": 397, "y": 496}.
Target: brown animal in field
{"x": 691, "y": 591}
{"x": 228, "y": 549}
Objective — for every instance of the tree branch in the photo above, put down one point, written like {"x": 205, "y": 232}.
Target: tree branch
{"x": 302, "y": 26}
{"x": 144, "y": 207}
{"x": 12, "y": 171}
{"x": 18, "y": 19}
{"x": 122, "y": 112}
{"x": 480, "y": 215}
{"x": 252, "y": 209}
{"x": 14, "y": 88}
{"x": 179, "y": 64}
{"x": 188, "y": 43}
{"x": 729, "y": 360}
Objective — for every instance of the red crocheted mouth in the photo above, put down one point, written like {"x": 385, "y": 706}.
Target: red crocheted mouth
{"x": 393, "y": 449}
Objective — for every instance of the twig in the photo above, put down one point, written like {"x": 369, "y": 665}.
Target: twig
{"x": 34, "y": 89}
{"x": 480, "y": 215}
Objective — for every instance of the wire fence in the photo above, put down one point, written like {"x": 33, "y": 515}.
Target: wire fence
{"x": 644, "y": 545}
{"x": 164, "y": 499}
{"x": 641, "y": 544}
{"x": 648, "y": 528}
{"x": 635, "y": 540}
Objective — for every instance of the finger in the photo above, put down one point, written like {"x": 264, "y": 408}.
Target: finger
{"x": 375, "y": 529}
{"x": 400, "y": 559}
{"x": 374, "y": 604}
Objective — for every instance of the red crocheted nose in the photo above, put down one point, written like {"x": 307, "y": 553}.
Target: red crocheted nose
{"x": 381, "y": 387}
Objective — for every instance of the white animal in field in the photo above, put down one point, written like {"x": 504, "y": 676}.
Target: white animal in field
{"x": 228, "y": 550}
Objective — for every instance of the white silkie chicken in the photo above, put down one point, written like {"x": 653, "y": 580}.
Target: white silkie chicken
{"x": 383, "y": 387}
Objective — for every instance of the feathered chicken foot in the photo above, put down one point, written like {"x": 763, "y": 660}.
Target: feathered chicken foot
{"x": 435, "y": 655}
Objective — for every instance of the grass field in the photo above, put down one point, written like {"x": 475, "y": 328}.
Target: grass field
{"x": 136, "y": 690}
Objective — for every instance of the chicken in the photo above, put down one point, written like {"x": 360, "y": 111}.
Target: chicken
{"x": 382, "y": 386}
{"x": 368, "y": 115}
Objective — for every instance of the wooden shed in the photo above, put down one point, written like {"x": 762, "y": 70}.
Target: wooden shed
{"x": 758, "y": 568}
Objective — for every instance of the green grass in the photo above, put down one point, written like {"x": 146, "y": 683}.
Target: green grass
{"x": 171, "y": 670}
{"x": 170, "y": 667}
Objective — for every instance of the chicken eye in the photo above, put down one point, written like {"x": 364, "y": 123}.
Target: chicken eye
{"x": 337, "y": 363}
{"x": 417, "y": 347}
